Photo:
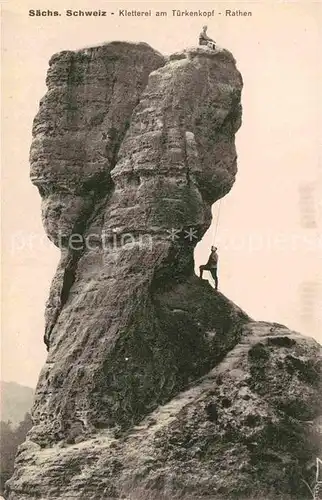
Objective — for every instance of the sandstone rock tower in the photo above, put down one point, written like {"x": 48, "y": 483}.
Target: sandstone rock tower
{"x": 154, "y": 385}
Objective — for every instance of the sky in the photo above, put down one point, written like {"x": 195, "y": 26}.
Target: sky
{"x": 269, "y": 226}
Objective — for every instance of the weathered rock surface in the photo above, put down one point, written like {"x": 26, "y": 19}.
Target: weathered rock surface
{"x": 155, "y": 386}
{"x": 246, "y": 430}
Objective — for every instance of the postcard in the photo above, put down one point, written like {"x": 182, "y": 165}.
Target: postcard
{"x": 161, "y": 250}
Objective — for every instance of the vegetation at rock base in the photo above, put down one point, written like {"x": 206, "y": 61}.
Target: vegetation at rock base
{"x": 10, "y": 439}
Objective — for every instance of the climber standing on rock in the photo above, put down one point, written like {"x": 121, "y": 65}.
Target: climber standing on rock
{"x": 211, "y": 266}
{"x": 204, "y": 39}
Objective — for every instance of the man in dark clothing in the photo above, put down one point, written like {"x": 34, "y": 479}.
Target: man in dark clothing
{"x": 211, "y": 266}
{"x": 204, "y": 39}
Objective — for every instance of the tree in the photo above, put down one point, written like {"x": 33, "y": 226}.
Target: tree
{"x": 10, "y": 439}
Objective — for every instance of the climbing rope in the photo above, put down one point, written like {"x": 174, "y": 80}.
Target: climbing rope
{"x": 214, "y": 236}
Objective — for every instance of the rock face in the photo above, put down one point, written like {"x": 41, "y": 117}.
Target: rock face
{"x": 155, "y": 386}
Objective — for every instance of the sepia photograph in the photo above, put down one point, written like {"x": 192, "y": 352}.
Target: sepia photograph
{"x": 161, "y": 250}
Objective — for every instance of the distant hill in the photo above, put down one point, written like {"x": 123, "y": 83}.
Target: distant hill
{"x": 16, "y": 400}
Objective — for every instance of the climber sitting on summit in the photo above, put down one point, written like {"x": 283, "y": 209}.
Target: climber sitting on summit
{"x": 204, "y": 39}
{"x": 211, "y": 266}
